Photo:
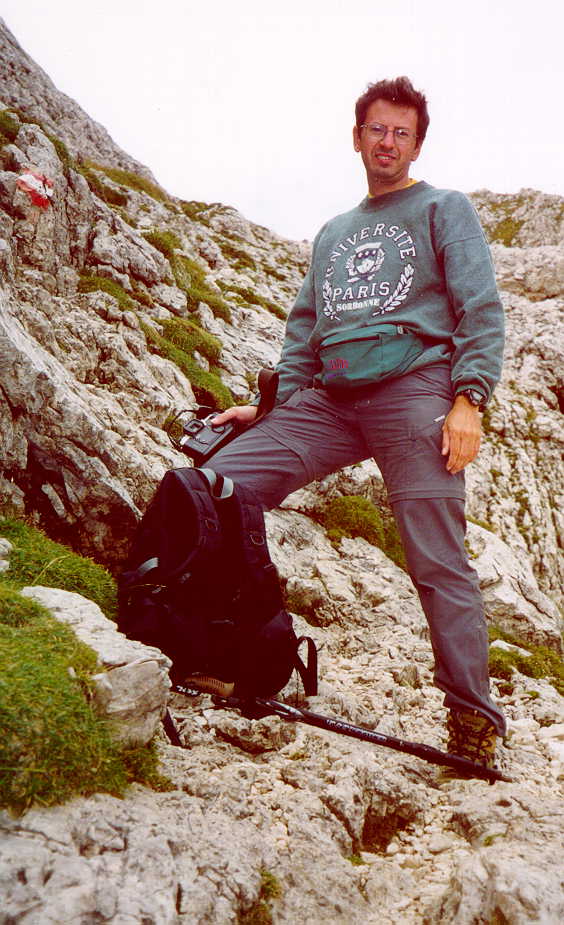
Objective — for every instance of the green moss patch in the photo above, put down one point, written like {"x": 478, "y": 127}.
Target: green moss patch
{"x": 188, "y": 275}
{"x": 105, "y": 192}
{"x": 506, "y": 231}
{"x": 243, "y": 295}
{"x": 54, "y": 745}
{"x": 541, "y": 663}
{"x": 38, "y": 560}
{"x": 189, "y": 337}
{"x": 237, "y": 256}
{"x": 165, "y": 241}
{"x": 207, "y": 385}
{"x": 355, "y": 516}
{"x": 9, "y": 127}
{"x": 130, "y": 180}
{"x": 195, "y": 210}
{"x": 90, "y": 282}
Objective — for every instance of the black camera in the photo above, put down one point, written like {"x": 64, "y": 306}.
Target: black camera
{"x": 200, "y": 438}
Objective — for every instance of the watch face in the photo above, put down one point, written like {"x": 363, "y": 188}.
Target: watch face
{"x": 474, "y": 396}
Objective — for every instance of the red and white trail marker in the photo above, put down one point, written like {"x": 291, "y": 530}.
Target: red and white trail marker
{"x": 38, "y": 187}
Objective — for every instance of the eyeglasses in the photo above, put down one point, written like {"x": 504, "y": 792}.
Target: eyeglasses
{"x": 377, "y": 132}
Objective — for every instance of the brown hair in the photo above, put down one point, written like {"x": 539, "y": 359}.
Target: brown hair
{"x": 400, "y": 91}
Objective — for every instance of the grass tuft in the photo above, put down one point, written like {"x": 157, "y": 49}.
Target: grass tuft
{"x": 108, "y": 194}
{"x": 195, "y": 210}
{"x": 188, "y": 274}
{"x": 356, "y": 516}
{"x": 9, "y": 127}
{"x": 541, "y": 663}
{"x": 54, "y": 745}
{"x": 130, "y": 180}
{"x": 165, "y": 241}
{"x": 38, "y": 560}
{"x": 260, "y": 913}
{"x": 191, "y": 278}
{"x": 207, "y": 385}
{"x": 246, "y": 296}
{"x": 90, "y": 282}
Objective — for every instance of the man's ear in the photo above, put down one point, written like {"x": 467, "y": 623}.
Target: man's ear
{"x": 417, "y": 152}
{"x": 356, "y": 138}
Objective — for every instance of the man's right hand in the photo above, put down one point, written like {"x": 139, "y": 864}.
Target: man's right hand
{"x": 244, "y": 414}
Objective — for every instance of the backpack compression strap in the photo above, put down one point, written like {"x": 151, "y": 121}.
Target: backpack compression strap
{"x": 307, "y": 670}
{"x": 256, "y": 557}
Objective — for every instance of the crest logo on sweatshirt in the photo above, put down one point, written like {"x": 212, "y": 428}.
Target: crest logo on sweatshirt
{"x": 353, "y": 275}
{"x": 365, "y": 262}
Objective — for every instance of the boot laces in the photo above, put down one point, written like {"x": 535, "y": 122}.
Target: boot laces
{"x": 472, "y": 736}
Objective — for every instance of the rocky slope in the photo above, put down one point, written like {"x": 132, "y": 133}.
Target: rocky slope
{"x": 96, "y": 284}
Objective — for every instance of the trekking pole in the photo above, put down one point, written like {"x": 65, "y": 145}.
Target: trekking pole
{"x": 258, "y": 707}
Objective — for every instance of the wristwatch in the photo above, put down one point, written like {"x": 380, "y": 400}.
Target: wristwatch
{"x": 475, "y": 398}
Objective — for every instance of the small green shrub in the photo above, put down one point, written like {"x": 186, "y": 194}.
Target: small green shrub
{"x": 38, "y": 560}
{"x": 208, "y": 387}
{"x": 90, "y": 282}
{"x": 9, "y": 127}
{"x": 355, "y": 516}
{"x": 131, "y": 180}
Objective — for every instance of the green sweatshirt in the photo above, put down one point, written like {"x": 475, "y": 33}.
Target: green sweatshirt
{"x": 417, "y": 258}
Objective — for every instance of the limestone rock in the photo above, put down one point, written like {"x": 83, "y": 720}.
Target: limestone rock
{"x": 132, "y": 689}
{"x": 267, "y": 818}
{"x": 511, "y": 595}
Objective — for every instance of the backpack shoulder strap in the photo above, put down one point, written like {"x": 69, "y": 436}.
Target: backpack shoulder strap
{"x": 183, "y": 498}
{"x": 242, "y": 520}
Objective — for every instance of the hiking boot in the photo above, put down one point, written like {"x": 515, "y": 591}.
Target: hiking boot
{"x": 471, "y": 735}
{"x": 210, "y": 685}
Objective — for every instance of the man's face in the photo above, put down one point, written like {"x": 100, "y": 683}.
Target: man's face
{"x": 387, "y": 160}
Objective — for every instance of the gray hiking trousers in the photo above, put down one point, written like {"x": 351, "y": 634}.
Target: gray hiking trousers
{"x": 399, "y": 423}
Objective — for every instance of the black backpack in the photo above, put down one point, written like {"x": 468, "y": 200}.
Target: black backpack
{"x": 199, "y": 584}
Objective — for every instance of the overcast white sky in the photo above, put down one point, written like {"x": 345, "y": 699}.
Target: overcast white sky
{"x": 251, "y": 103}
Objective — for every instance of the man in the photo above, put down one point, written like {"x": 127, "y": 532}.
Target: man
{"x": 392, "y": 349}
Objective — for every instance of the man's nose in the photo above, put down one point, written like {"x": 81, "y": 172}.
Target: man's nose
{"x": 389, "y": 138}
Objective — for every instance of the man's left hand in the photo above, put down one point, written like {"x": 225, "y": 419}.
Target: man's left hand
{"x": 462, "y": 431}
